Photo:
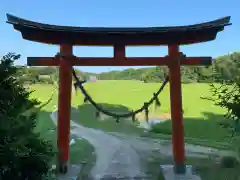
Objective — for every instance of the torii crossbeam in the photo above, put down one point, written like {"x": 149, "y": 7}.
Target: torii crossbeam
{"x": 67, "y": 37}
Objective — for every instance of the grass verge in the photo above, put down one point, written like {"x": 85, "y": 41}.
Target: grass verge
{"x": 207, "y": 169}
{"x": 80, "y": 151}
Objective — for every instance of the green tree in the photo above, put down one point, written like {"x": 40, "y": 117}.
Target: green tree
{"x": 23, "y": 154}
{"x": 227, "y": 95}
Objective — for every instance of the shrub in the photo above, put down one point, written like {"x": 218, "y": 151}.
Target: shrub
{"x": 228, "y": 162}
{"x": 23, "y": 154}
{"x": 227, "y": 96}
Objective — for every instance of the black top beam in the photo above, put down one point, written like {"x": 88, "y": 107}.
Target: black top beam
{"x": 53, "y": 34}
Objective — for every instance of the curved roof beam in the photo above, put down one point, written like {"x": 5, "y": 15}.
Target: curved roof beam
{"x": 108, "y": 36}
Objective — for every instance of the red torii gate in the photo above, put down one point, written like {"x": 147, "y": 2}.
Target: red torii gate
{"x": 66, "y": 37}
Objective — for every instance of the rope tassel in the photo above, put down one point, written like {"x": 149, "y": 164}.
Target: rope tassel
{"x": 157, "y": 101}
{"x": 97, "y": 114}
{"x": 146, "y": 111}
{"x": 117, "y": 120}
{"x": 75, "y": 86}
{"x": 133, "y": 117}
{"x": 85, "y": 99}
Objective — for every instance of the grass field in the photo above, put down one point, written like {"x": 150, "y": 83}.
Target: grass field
{"x": 123, "y": 96}
{"x": 132, "y": 94}
{"x": 81, "y": 150}
{"x": 206, "y": 168}
{"x": 201, "y": 119}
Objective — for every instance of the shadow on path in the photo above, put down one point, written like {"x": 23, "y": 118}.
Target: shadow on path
{"x": 86, "y": 115}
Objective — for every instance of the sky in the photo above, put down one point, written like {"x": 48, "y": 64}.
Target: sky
{"x": 119, "y": 13}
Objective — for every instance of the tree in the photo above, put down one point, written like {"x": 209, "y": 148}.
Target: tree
{"x": 227, "y": 95}
{"x": 23, "y": 154}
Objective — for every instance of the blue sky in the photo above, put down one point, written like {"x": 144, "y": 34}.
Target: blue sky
{"x": 121, "y": 13}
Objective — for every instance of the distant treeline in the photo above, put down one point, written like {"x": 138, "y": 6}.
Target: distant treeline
{"x": 224, "y": 67}
{"x": 44, "y": 75}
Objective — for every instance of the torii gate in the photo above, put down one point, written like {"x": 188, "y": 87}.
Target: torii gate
{"x": 67, "y": 37}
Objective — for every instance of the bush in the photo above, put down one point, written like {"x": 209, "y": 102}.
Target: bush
{"x": 228, "y": 162}
{"x": 227, "y": 96}
{"x": 23, "y": 154}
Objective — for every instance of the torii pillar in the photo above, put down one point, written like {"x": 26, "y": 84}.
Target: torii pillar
{"x": 64, "y": 106}
{"x": 119, "y": 38}
{"x": 176, "y": 108}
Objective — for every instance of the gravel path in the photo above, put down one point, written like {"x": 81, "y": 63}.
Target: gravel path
{"x": 119, "y": 155}
{"x": 114, "y": 158}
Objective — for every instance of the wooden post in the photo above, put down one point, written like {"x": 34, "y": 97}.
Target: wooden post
{"x": 64, "y": 107}
{"x": 119, "y": 53}
{"x": 176, "y": 109}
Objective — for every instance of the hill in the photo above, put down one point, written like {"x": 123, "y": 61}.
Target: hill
{"x": 224, "y": 67}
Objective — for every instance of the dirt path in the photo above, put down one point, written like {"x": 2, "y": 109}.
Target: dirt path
{"x": 119, "y": 155}
{"x": 165, "y": 146}
{"x": 114, "y": 158}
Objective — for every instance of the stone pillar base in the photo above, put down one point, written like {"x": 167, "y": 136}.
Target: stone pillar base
{"x": 62, "y": 167}
{"x": 72, "y": 172}
{"x": 169, "y": 173}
